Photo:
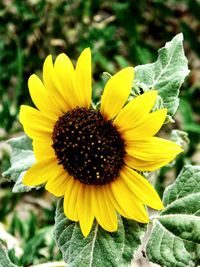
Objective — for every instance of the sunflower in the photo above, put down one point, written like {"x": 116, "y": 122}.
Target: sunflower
{"x": 91, "y": 156}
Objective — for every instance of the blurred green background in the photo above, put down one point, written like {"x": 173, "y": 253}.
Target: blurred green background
{"x": 120, "y": 33}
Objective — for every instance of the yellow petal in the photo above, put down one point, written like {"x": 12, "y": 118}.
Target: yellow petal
{"x": 141, "y": 188}
{"x": 136, "y": 111}
{"x": 140, "y": 165}
{"x": 104, "y": 210}
{"x": 57, "y": 184}
{"x": 116, "y": 93}
{"x": 112, "y": 221}
{"x": 43, "y": 149}
{"x": 151, "y": 154}
{"x": 66, "y": 77}
{"x": 148, "y": 128}
{"x": 115, "y": 204}
{"x": 35, "y": 124}
{"x": 41, "y": 98}
{"x": 52, "y": 85}
{"x": 41, "y": 172}
{"x": 128, "y": 202}
{"x": 84, "y": 78}
{"x": 70, "y": 199}
{"x": 84, "y": 207}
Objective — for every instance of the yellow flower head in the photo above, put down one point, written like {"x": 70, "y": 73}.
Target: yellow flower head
{"x": 91, "y": 157}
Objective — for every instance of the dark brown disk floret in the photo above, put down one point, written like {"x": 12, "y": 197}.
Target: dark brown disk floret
{"x": 89, "y": 147}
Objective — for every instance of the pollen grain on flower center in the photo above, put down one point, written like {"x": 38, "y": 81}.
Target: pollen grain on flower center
{"x": 89, "y": 147}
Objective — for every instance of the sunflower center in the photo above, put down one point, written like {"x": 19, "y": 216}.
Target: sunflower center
{"x": 89, "y": 147}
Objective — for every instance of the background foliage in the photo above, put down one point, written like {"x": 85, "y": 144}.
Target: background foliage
{"x": 120, "y": 33}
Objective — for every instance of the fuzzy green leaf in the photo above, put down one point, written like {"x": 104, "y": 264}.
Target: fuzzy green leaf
{"x": 166, "y": 74}
{"x": 176, "y": 231}
{"x": 180, "y": 138}
{"x": 4, "y": 259}
{"x": 165, "y": 249}
{"x": 187, "y": 183}
{"x": 22, "y": 158}
{"x": 100, "y": 248}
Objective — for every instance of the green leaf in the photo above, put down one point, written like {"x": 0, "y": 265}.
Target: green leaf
{"x": 186, "y": 184}
{"x": 188, "y": 122}
{"x": 175, "y": 232}
{"x": 22, "y": 158}
{"x": 100, "y": 248}
{"x": 4, "y": 259}
{"x": 180, "y": 138}
{"x": 165, "y": 249}
{"x": 33, "y": 245}
{"x": 194, "y": 250}
{"x": 166, "y": 74}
